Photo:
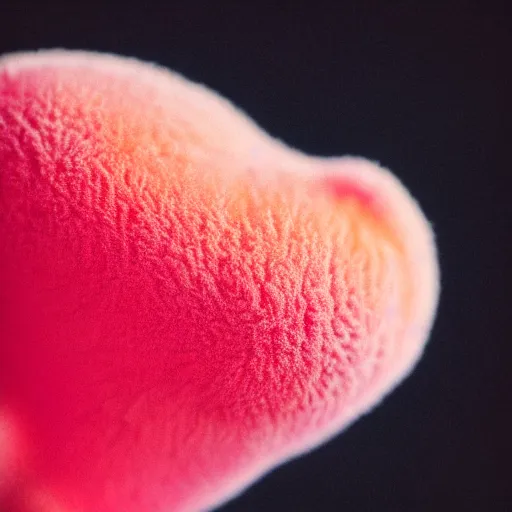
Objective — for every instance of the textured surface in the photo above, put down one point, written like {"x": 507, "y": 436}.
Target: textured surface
{"x": 184, "y": 302}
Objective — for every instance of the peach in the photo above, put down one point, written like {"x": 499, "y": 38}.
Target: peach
{"x": 185, "y": 302}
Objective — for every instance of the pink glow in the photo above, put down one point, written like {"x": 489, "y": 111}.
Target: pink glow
{"x": 185, "y": 302}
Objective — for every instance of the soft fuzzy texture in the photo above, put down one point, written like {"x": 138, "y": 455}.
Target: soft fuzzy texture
{"x": 184, "y": 302}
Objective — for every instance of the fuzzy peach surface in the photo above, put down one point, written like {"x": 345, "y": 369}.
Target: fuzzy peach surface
{"x": 185, "y": 302}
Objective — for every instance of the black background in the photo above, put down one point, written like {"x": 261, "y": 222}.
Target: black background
{"x": 422, "y": 90}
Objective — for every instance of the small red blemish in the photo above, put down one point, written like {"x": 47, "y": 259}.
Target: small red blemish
{"x": 343, "y": 189}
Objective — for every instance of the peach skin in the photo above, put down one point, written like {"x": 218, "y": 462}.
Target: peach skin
{"x": 186, "y": 302}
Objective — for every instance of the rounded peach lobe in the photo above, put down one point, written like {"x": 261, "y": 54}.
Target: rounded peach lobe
{"x": 185, "y": 302}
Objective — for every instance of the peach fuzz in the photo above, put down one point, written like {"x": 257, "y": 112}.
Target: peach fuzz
{"x": 186, "y": 302}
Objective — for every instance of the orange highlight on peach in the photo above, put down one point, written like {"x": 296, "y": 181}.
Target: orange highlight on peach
{"x": 185, "y": 302}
